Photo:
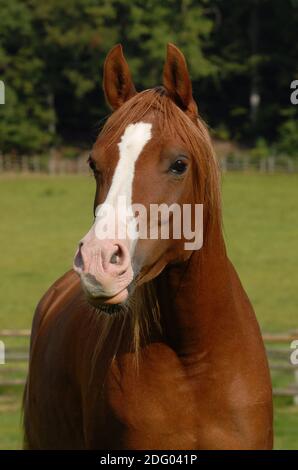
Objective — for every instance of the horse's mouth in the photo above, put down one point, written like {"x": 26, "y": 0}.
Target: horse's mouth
{"x": 106, "y": 301}
{"x": 112, "y": 309}
{"x": 111, "y": 305}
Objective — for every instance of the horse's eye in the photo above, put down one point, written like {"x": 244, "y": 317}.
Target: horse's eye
{"x": 178, "y": 167}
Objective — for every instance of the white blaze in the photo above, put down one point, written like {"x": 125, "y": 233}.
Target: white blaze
{"x": 118, "y": 204}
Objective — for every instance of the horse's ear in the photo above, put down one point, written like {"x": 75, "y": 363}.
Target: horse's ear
{"x": 177, "y": 82}
{"x": 117, "y": 82}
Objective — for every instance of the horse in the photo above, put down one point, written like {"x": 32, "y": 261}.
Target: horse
{"x": 145, "y": 344}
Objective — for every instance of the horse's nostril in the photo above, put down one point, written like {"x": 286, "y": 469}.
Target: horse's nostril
{"x": 115, "y": 258}
{"x": 78, "y": 261}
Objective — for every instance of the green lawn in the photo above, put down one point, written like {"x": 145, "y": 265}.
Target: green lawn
{"x": 261, "y": 228}
{"x": 10, "y": 424}
{"x": 42, "y": 219}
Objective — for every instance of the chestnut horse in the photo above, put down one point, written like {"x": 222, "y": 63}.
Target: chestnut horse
{"x": 145, "y": 344}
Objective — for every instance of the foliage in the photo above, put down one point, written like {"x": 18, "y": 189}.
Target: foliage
{"x": 51, "y": 59}
{"x": 288, "y": 138}
{"x": 26, "y": 117}
{"x": 261, "y": 149}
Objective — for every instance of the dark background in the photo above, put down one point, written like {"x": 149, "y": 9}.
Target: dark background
{"x": 51, "y": 57}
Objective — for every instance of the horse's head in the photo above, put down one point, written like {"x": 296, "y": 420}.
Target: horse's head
{"x": 152, "y": 158}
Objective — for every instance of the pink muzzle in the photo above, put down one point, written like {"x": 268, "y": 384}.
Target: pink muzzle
{"x": 105, "y": 269}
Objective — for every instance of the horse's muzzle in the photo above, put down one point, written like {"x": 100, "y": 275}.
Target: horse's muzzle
{"x": 105, "y": 270}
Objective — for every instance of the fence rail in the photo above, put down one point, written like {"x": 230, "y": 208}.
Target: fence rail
{"x": 270, "y": 164}
{"x": 278, "y": 357}
{"x": 61, "y": 165}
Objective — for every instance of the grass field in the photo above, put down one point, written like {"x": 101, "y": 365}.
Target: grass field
{"x": 43, "y": 217}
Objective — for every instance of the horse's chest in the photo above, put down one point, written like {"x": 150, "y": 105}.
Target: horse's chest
{"x": 154, "y": 405}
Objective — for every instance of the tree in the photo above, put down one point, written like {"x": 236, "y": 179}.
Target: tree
{"x": 242, "y": 57}
{"x": 26, "y": 118}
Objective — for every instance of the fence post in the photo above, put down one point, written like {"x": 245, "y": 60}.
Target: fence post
{"x": 2, "y": 352}
{"x": 263, "y": 165}
{"x": 223, "y": 161}
{"x": 245, "y": 165}
{"x": 290, "y": 165}
{"x": 271, "y": 164}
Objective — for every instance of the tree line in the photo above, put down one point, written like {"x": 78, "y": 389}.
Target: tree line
{"x": 242, "y": 58}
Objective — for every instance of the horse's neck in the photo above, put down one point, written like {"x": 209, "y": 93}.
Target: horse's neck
{"x": 203, "y": 304}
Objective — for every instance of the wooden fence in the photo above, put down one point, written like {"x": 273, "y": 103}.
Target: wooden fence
{"x": 278, "y": 347}
{"x": 270, "y": 164}
{"x": 13, "y": 372}
{"x": 54, "y": 165}
{"x": 43, "y": 164}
